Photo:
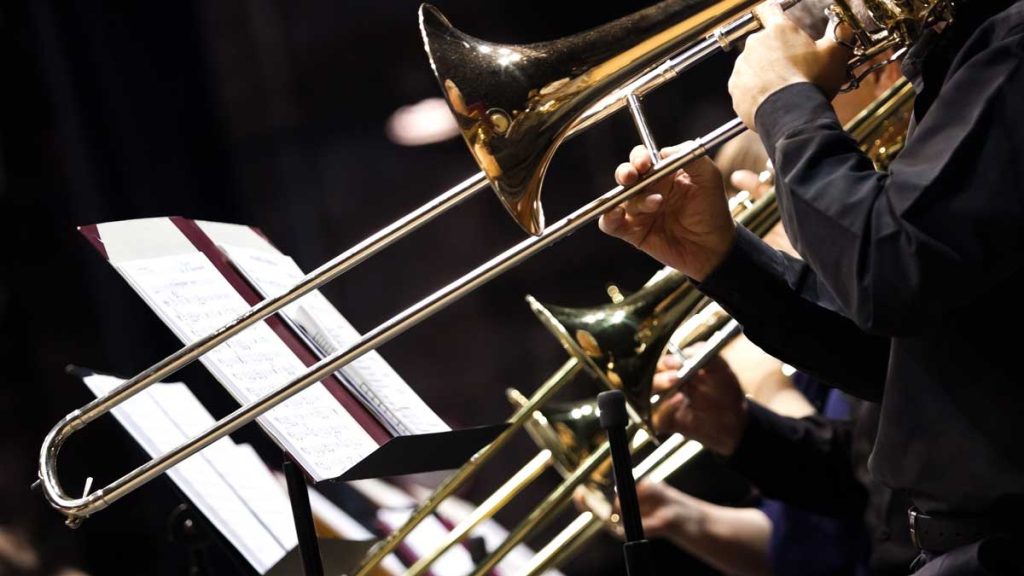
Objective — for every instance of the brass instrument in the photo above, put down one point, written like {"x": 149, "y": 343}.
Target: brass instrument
{"x": 650, "y": 316}
{"x": 624, "y": 79}
{"x": 620, "y": 344}
{"x": 881, "y": 131}
{"x": 513, "y": 125}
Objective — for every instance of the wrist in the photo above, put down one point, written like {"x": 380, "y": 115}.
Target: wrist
{"x": 689, "y": 520}
{"x": 716, "y": 253}
{"x": 736, "y": 428}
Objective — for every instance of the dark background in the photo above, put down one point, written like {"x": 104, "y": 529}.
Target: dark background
{"x": 271, "y": 113}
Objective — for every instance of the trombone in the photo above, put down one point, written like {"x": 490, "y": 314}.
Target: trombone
{"x": 880, "y": 130}
{"x": 553, "y": 95}
{"x": 877, "y": 131}
{"x": 566, "y": 109}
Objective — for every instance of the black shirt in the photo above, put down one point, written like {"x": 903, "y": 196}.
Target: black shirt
{"x": 912, "y": 288}
{"x": 820, "y": 465}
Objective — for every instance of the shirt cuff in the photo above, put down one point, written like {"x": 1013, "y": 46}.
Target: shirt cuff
{"x": 789, "y": 108}
{"x": 738, "y": 282}
{"x": 766, "y": 436}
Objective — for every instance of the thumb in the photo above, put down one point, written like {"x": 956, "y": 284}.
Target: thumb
{"x": 836, "y": 73}
{"x": 838, "y": 40}
{"x": 769, "y": 13}
{"x": 833, "y": 49}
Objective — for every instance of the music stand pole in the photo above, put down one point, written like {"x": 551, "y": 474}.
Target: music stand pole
{"x": 309, "y": 546}
{"x": 637, "y": 550}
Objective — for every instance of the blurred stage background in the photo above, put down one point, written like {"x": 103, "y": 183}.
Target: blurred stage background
{"x": 272, "y": 113}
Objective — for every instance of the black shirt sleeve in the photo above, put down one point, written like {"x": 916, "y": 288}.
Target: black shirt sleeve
{"x": 805, "y": 462}
{"x": 785, "y": 310}
{"x": 944, "y": 225}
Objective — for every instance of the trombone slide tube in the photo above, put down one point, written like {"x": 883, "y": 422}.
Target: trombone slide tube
{"x": 544, "y": 512}
{"x": 566, "y": 542}
{"x": 668, "y": 458}
{"x": 496, "y": 501}
{"x": 78, "y": 508}
{"x": 721, "y": 39}
{"x": 553, "y": 384}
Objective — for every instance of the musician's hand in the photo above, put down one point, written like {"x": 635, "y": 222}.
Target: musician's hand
{"x": 751, "y": 182}
{"x": 780, "y": 55}
{"x": 666, "y": 512}
{"x": 683, "y": 221}
{"x": 710, "y": 408}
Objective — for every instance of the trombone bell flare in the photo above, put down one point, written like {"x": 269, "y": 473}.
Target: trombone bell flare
{"x": 516, "y": 103}
{"x": 620, "y": 343}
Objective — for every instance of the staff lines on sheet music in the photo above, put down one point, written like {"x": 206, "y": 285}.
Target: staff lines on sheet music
{"x": 193, "y": 298}
{"x": 322, "y": 325}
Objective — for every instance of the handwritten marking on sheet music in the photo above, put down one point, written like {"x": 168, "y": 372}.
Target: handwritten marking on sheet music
{"x": 191, "y": 296}
{"x": 375, "y": 381}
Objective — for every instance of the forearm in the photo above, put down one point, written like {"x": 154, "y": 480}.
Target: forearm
{"x": 805, "y": 462}
{"x": 783, "y": 310}
{"x": 762, "y": 379}
{"x": 889, "y": 247}
{"x": 732, "y": 540}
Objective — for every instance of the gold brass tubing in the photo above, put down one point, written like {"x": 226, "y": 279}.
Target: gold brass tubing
{"x": 496, "y": 501}
{"x": 542, "y": 513}
{"x": 386, "y": 546}
{"x": 658, "y": 466}
{"x": 674, "y": 461}
{"x": 546, "y": 510}
{"x": 564, "y": 544}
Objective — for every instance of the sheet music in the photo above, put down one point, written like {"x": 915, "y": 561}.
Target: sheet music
{"x": 193, "y": 299}
{"x": 239, "y": 465}
{"x": 370, "y": 376}
{"x": 249, "y": 529}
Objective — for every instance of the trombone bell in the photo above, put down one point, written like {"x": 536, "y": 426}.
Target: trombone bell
{"x": 620, "y": 343}
{"x": 515, "y": 104}
{"x": 570, "y": 431}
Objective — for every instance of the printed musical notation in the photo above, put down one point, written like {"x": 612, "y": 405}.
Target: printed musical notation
{"x": 370, "y": 377}
{"x": 193, "y": 299}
